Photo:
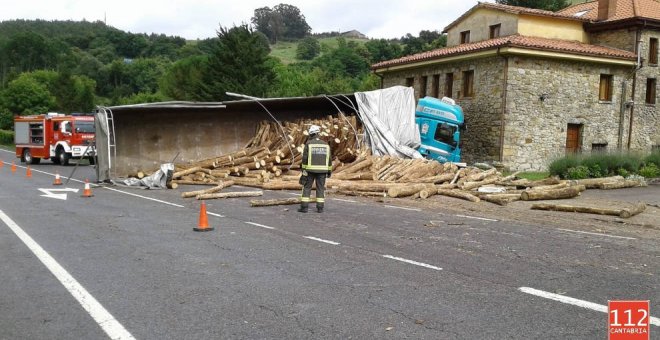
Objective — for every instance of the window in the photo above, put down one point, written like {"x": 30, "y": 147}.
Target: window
{"x": 444, "y": 133}
{"x": 422, "y": 87}
{"x": 465, "y": 37}
{"x": 650, "y": 90}
{"x": 410, "y": 82}
{"x": 449, "y": 85}
{"x": 653, "y": 51}
{"x": 468, "y": 83}
{"x": 494, "y": 31}
{"x": 598, "y": 147}
{"x": 605, "y": 91}
{"x": 435, "y": 86}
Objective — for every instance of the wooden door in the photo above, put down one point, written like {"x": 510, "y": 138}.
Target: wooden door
{"x": 573, "y": 138}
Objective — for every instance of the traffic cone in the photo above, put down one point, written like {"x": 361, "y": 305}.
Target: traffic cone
{"x": 13, "y": 166}
{"x": 57, "y": 181}
{"x": 203, "y": 224}
{"x": 28, "y": 172}
{"x": 88, "y": 191}
{"x": 2, "y": 164}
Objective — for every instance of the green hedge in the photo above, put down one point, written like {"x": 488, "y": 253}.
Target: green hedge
{"x": 605, "y": 164}
{"x": 6, "y": 137}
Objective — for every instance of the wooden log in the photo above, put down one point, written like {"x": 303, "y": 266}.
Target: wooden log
{"x": 282, "y": 185}
{"x": 354, "y": 176}
{"x": 367, "y": 186}
{"x": 623, "y": 213}
{"x": 459, "y": 194}
{"x": 171, "y": 185}
{"x": 480, "y": 176}
{"x": 536, "y": 195}
{"x": 500, "y": 199}
{"x": 594, "y": 183}
{"x": 620, "y": 184}
{"x": 510, "y": 177}
{"x": 476, "y": 184}
{"x": 247, "y": 182}
{"x": 428, "y": 192}
{"x": 234, "y": 194}
{"x": 186, "y": 172}
{"x": 362, "y": 193}
{"x": 189, "y": 182}
{"x": 217, "y": 188}
{"x": 406, "y": 190}
{"x": 436, "y": 179}
{"x": 281, "y": 201}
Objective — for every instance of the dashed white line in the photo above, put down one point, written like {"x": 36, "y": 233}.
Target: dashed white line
{"x": 343, "y": 200}
{"x": 404, "y": 208}
{"x": 322, "y": 240}
{"x": 597, "y": 234}
{"x": 412, "y": 262}
{"x": 145, "y": 197}
{"x": 103, "y": 318}
{"x": 477, "y": 218}
{"x": 214, "y": 214}
{"x": 260, "y": 225}
{"x": 575, "y": 302}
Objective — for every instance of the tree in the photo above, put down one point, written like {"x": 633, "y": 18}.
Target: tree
{"x": 239, "y": 63}
{"x": 549, "y": 5}
{"x": 308, "y": 49}
{"x": 281, "y": 22}
{"x": 183, "y": 79}
{"x": 25, "y": 95}
{"x": 347, "y": 60}
{"x": 296, "y": 26}
{"x": 381, "y": 49}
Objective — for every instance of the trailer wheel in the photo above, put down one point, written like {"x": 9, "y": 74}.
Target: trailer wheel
{"x": 63, "y": 156}
{"x": 27, "y": 157}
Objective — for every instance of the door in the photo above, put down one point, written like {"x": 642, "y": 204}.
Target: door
{"x": 573, "y": 138}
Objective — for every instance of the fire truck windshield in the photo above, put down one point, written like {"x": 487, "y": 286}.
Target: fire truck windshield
{"x": 85, "y": 127}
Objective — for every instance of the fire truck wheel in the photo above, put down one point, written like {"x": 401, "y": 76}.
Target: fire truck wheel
{"x": 27, "y": 157}
{"x": 63, "y": 156}
{"x": 55, "y": 160}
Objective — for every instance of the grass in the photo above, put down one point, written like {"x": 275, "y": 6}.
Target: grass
{"x": 285, "y": 51}
{"x": 534, "y": 176}
{"x": 602, "y": 165}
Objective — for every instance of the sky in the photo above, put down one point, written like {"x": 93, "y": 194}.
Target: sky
{"x": 200, "y": 19}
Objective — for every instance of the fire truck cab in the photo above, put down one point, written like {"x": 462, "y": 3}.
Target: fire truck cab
{"x": 54, "y": 136}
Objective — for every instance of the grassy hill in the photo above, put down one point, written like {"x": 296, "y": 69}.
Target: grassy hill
{"x": 286, "y": 50}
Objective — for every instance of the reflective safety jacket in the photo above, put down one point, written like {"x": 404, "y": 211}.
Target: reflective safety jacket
{"x": 316, "y": 156}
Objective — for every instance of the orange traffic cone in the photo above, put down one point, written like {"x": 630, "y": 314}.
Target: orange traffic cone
{"x": 203, "y": 220}
{"x": 28, "y": 172}
{"x": 88, "y": 191}
{"x": 13, "y": 166}
{"x": 2, "y": 164}
{"x": 57, "y": 181}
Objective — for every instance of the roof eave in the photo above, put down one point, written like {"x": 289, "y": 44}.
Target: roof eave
{"x": 636, "y": 22}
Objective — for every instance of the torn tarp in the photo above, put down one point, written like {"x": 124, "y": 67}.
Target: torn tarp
{"x": 388, "y": 116}
{"x": 157, "y": 180}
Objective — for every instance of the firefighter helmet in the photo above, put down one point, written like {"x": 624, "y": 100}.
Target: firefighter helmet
{"x": 314, "y": 130}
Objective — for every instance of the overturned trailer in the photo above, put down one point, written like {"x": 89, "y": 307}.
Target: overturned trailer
{"x": 131, "y": 138}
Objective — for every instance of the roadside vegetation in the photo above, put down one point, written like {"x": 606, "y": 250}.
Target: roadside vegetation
{"x": 6, "y": 137}
{"x": 607, "y": 164}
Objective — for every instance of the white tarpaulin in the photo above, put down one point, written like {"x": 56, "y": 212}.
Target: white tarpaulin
{"x": 388, "y": 116}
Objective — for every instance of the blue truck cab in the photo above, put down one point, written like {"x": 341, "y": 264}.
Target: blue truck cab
{"x": 440, "y": 123}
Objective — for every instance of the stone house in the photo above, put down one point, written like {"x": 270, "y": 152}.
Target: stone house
{"x": 536, "y": 84}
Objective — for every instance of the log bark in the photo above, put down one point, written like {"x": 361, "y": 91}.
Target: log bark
{"x": 459, "y": 194}
{"x": 217, "y": 188}
{"x": 282, "y": 185}
{"x": 536, "y": 195}
{"x": 476, "y": 184}
{"x": 594, "y": 183}
{"x": 362, "y": 193}
{"x": 186, "y": 172}
{"x": 406, "y": 190}
{"x": 282, "y": 201}
{"x": 620, "y": 185}
{"x": 230, "y": 195}
{"x": 189, "y": 182}
{"x": 623, "y": 213}
{"x": 501, "y": 199}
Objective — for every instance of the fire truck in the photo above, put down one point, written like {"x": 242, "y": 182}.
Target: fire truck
{"x": 54, "y": 136}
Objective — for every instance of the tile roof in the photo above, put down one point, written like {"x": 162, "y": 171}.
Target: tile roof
{"x": 625, "y": 9}
{"x": 516, "y": 40}
{"x": 514, "y": 10}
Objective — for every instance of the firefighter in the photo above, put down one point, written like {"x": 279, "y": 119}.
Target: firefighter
{"x": 316, "y": 165}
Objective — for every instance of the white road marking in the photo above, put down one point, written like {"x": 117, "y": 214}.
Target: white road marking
{"x": 145, "y": 197}
{"x": 343, "y": 200}
{"x": 477, "y": 218}
{"x": 576, "y": 302}
{"x": 50, "y": 194}
{"x": 260, "y": 225}
{"x": 103, "y": 318}
{"x": 597, "y": 234}
{"x": 412, "y": 262}
{"x": 214, "y": 214}
{"x": 322, "y": 240}
{"x": 404, "y": 208}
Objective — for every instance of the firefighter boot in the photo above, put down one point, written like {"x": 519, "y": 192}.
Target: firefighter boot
{"x": 304, "y": 206}
{"x": 319, "y": 207}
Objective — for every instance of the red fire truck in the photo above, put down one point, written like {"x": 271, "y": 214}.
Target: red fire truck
{"x": 54, "y": 136}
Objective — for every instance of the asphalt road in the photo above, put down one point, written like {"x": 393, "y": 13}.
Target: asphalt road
{"x": 127, "y": 264}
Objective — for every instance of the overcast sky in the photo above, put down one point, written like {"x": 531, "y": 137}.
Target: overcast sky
{"x": 193, "y": 19}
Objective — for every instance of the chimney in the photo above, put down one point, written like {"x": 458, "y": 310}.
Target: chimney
{"x": 606, "y": 9}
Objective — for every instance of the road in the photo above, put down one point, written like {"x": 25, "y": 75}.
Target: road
{"x": 126, "y": 264}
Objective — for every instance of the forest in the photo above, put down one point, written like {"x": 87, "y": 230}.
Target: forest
{"x": 73, "y": 66}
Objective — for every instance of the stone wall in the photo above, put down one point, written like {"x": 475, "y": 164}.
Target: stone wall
{"x": 646, "y": 117}
{"x": 623, "y": 39}
{"x": 482, "y": 112}
{"x": 536, "y": 129}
